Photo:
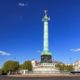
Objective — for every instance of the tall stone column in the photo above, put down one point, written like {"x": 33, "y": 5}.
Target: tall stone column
{"x": 46, "y": 55}
{"x": 45, "y": 35}
{"x": 45, "y": 19}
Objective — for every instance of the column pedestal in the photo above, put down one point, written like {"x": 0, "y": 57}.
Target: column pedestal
{"x": 46, "y": 57}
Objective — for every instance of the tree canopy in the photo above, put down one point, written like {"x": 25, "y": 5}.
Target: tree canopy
{"x": 10, "y": 66}
{"x": 63, "y": 67}
{"x": 27, "y": 65}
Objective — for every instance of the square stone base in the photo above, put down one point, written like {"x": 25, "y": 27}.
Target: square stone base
{"x": 46, "y": 59}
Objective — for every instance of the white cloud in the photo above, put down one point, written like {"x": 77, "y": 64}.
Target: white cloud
{"x": 76, "y": 50}
{"x": 22, "y": 4}
{"x": 4, "y": 53}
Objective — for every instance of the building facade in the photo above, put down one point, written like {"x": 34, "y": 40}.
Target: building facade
{"x": 76, "y": 66}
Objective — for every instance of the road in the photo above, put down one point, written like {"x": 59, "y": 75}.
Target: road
{"x": 50, "y": 78}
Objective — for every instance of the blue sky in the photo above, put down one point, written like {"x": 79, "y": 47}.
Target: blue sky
{"x": 21, "y": 29}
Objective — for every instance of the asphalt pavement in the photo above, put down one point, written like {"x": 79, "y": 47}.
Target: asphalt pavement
{"x": 35, "y": 78}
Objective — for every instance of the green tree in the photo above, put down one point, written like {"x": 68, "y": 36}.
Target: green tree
{"x": 69, "y": 68}
{"x": 21, "y": 66}
{"x": 60, "y": 66}
{"x": 10, "y": 66}
{"x": 0, "y": 71}
{"x": 63, "y": 67}
{"x": 27, "y": 65}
